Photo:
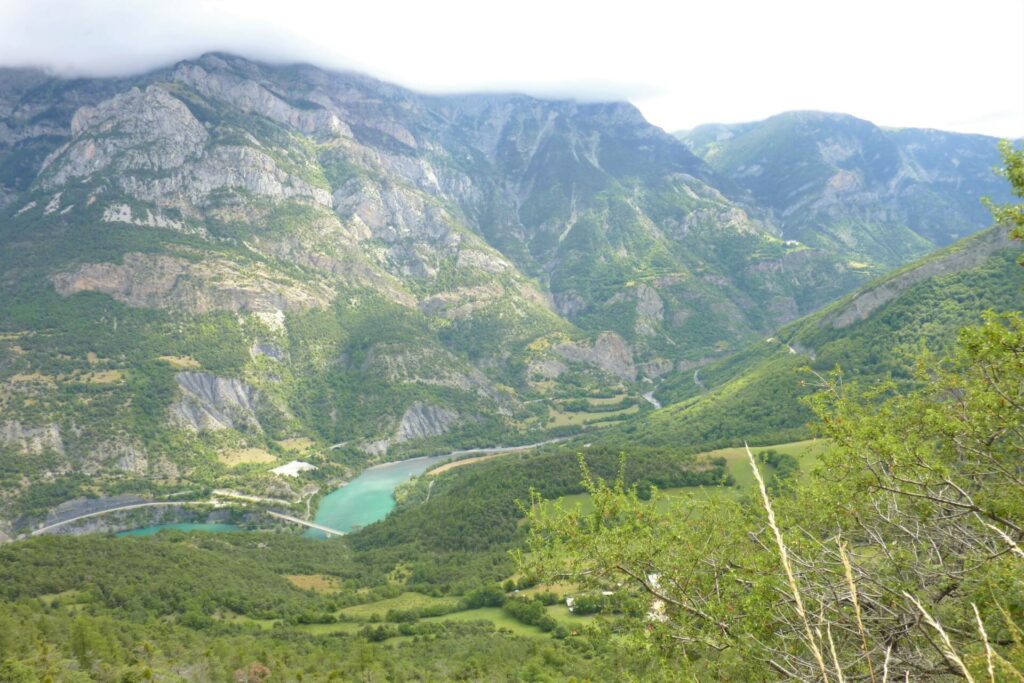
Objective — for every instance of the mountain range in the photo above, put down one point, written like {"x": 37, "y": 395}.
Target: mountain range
{"x": 220, "y": 264}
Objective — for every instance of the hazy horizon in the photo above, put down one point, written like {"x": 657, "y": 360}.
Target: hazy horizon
{"x": 955, "y": 66}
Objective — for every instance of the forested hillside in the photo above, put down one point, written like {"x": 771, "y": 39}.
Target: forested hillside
{"x": 879, "y": 196}
{"x": 879, "y": 332}
{"x": 212, "y": 268}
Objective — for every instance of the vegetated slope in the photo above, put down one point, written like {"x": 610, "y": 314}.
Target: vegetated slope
{"x": 878, "y": 196}
{"x": 201, "y": 608}
{"x": 480, "y": 507}
{"x": 219, "y": 255}
{"x": 875, "y": 333}
{"x": 207, "y": 601}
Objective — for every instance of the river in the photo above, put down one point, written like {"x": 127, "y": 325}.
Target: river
{"x": 364, "y": 500}
{"x": 368, "y": 497}
{"x": 183, "y": 526}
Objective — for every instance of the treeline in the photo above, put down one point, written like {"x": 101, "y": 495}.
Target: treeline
{"x": 39, "y": 643}
{"x": 480, "y": 506}
{"x": 900, "y": 558}
{"x": 757, "y": 395}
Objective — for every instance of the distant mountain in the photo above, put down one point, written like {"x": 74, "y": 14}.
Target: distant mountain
{"x": 200, "y": 265}
{"x": 877, "y": 332}
{"x": 877, "y": 196}
{"x": 223, "y": 264}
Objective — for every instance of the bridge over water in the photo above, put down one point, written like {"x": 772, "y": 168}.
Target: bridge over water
{"x": 312, "y": 525}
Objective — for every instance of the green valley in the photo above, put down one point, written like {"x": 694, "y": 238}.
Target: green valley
{"x": 307, "y": 376}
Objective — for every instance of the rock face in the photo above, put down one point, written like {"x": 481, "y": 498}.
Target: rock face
{"x": 650, "y": 311}
{"x": 35, "y": 440}
{"x": 157, "y": 281}
{"x": 125, "y": 455}
{"x": 879, "y": 196}
{"x": 609, "y": 353}
{"x": 870, "y": 300}
{"x": 347, "y": 247}
{"x": 398, "y": 363}
{"x": 214, "y": 403}
{"x": 140, "y": 130}
{"x": 159, "y": 152}
{"x": 656, "y": 368}
{"x": 271, "y": 351}
{"x": 422, "y": 420}
{"x": 250, "y": 97}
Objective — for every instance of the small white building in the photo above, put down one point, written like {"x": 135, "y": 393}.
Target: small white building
{"x": 293, "y": 469}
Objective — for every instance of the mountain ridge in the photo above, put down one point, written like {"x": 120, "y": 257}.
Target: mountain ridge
{"x": 882, "y": 195}
{"x": 222, "y": 255}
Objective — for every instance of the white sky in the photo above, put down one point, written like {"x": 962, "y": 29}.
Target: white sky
{"x": 950, "y": 65}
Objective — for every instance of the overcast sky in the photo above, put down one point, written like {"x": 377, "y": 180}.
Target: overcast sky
{"x": 950, "y": 65}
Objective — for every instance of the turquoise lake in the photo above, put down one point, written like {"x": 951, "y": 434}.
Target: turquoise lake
{"x": 184, "y": 526}
{"x": 369, "y": 497}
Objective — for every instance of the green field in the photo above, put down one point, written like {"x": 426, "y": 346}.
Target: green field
{"x": 405, "y": 601}
{"x": 326, "y": 629}
{"x": 563, "y": 418}
{"x": 241, "y": 619}
{"x": 496, "y": 616}
{"x": 562, "y": 615}
{"x": 806, "y": 452}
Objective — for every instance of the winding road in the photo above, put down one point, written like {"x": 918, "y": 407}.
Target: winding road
{"x": 134, "y": 506}
{"x": 486, "y": 454}
{"x": 219, "y": 494}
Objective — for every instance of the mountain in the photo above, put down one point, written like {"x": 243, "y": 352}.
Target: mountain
{"x": 224, "y": 264}
{"x": 873, "y": 334}
{"x": 204, "y": 264}
{"x": 879, "y": 196}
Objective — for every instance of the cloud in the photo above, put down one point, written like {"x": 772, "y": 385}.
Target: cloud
{"x": 941, "y": 64}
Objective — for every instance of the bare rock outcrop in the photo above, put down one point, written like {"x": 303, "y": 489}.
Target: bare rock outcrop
{"x": 546, "y": 369}
{"x": 251, "y": 97}
{"x": 161, "y": 281}
{"x": 268, "y": 350}
{"x": 656, "y": 367}
{"x": 214, "y": 403}
{"x": 124, "y": 454}
{"x": 422, "y": 420}
{"x": 570, "y": 304}
{"x": 394, "y": 212}
{"x": 158, "y": 152}
{"x": 462, "y": 302}
{"x": 609, "y": 353}
{"x": 431, "y": 366}
{"x": 138, "y": 130}
{"x": 650, "y": 311}
{"x": 33, "y": 440}
{"x": 226, "y": 167}
{"x": 870, "y": 300}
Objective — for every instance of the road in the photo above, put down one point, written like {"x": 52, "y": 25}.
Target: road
{"x": 649, "y": 397}
{"x": 134, "y": 506}
{"x": 311, "y": 525}
{"x": 486, "y": 454}
{"x": 503, "y": 449}
{"x": 224, "y": 493}
{"x": 218, "y": 493}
